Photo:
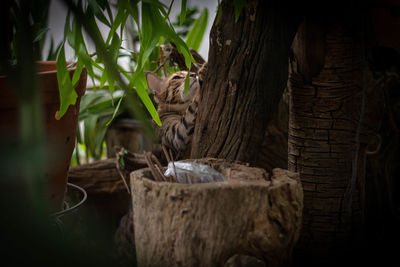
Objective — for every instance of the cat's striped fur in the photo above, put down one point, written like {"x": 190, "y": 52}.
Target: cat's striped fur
{"x": 176, "y": 109}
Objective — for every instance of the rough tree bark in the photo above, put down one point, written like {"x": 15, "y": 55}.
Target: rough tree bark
{"x": 186, "y": 224}
{"x": 328, "y": 79}
{"x": 248, "y": 65}
{"x": 330, "y": 124}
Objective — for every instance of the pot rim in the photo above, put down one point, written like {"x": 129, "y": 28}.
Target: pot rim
{"x": 50, "y": 63}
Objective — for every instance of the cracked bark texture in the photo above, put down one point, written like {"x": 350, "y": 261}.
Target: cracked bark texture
{"x": 206, "y": 224}
{"x": 328, "y": 134}
{"x": 247, "y": 74}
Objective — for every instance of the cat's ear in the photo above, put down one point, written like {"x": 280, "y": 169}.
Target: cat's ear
{"x": 153, "y": 82}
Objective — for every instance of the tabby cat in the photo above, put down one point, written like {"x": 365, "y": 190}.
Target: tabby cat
{"x": 176, "y": 109}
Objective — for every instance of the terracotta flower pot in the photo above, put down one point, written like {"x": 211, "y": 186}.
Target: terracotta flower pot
{"x": 60, "y": 134}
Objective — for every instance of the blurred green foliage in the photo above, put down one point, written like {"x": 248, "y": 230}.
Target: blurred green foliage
{"x": 139, "y": 53}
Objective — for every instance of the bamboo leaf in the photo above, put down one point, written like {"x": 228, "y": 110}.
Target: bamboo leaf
{"x": 104, "y": 78}
{"x": 77, "y": 73}
{"x": 141, "y": 90}
{"x": 151, "y": 32}
{"x": 157, "y": 5}
{"x": 111, "y": 83}
{"x": 103, "y": 18}
{"x": 121, "y": 18}
{"x": 90, "y": 134}
{"x": 99, "y": 137}
{"x": 166, "y": 30}
{"x": 41, "y": 34}
{"x": 196, "y": 33}
{"x": 100, "y": 103}
{"x": 98, "y": 11}
{"x": 114, "y": 47}
{"x": 57, "y": 50}
{"x": 109, "y": 13}
{"x": 67, "y": 28}
{"x": 71, "y": 35}
{"x": 187, "y": 79}
{"x": 67, "y": 93}
{"x": 170, "y": 7}
{"x": 50, "y": 53}
{"x": 86, "y": 59}
{"x": 153, "y": 27}
{"x": 115, "y": 111}
{"x": 87, "y": 100}
{"x": 133, "y": 10}
{"x": 182, "y": 16}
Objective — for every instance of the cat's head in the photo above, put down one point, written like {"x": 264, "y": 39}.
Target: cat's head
{"x": 170, "y": 90}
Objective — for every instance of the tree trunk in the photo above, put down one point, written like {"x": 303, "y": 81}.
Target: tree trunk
{"x": 247, "y": 73}
{"x": 330, "y": 124}
{"x": 186, "y": 224}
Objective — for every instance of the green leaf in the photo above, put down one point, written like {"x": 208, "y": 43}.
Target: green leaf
{"x": 182, "y": 16}
{"x": 77, "y": 42}
{"x": 67, "y": 28}
{"x": 120, "y": 19}
{"x": 111, "y": 83}
{"x": 94, "y": 132}
{"x": 157, "y": 5}
{"x": 170, "y": 7}
{"x": 141, "y": 89}
{"x": 95, "y": 101}
{"x": 154, "y": 26}
{"x": 184, "y": 50}
{"x": 115, "y": 45}
{"x": 101, "y": 130}
{"x": 99, "y": 103}
{"x": 72, "y": 34}
{"x": 104, "y": 78}
{"x": 98, "y": 11}
{"x": 41, "y": 34}
{"x": 89, "y": 134}
{"x": 133, "y": 10}
{"x": 87, "y": 101}
{"x": 96, "y": 110}
{"x": 67, "y": 93}
{"x": 103, "y": 18}
{"x": 77, "y": 73}
{"x": 86, "y": 59}
{"x": 238, "y": 5}
{"x": 187, "y": 80}
{"x": 115, "y": 111}
{"x": 50, "y": 53}
{"x": 59, "y": 46}
{"x": 109, "y": 13}
{"x": 196, "y": 34}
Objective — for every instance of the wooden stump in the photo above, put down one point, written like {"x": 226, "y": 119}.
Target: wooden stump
{"x": 205, "y": 224}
